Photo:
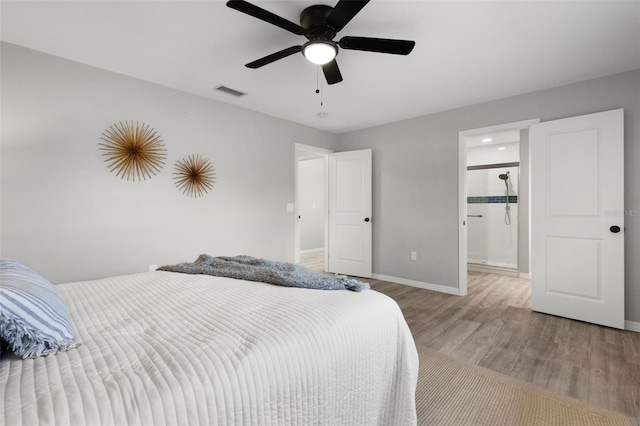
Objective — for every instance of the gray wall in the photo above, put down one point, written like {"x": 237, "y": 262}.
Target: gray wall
{"x": 415, "y": 166}
{"x": 67, "y": 216}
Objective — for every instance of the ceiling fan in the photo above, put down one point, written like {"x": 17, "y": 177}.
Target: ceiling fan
{"x": 320, "y": 24}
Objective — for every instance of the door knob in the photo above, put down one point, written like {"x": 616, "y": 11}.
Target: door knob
{"x": 366, "y": 219}
{"x": 615, "y": 229}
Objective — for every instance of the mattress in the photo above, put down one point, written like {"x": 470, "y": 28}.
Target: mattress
{"x": 168, "y": 348}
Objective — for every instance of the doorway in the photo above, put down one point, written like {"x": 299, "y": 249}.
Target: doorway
{"x": 493, "y": 175}
{"x": 493, "y": 209}
{"x": 311, "y": 203}
{"x": 346, "y": 190}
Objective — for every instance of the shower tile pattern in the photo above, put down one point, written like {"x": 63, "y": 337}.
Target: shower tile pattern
{"x": 513, "y": 199}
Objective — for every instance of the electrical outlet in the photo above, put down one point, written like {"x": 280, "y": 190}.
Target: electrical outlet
{"x": 414, "y": 255}
{"x": 153, "y": 268}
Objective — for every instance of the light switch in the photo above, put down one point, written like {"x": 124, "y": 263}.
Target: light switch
{"x": 290, "y": 207}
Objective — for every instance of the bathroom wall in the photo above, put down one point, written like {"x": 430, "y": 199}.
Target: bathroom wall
{"x": 490, "y": 154}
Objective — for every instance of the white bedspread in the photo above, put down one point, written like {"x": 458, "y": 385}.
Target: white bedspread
{"x": 166, "y": 348}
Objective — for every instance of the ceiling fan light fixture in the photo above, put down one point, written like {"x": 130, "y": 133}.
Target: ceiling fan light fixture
{"x": 319, "y": 52}
{"x": 320, "y": 24}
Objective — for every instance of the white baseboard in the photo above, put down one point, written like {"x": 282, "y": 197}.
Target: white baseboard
{"x": 314, "y": 250}
{"x": 632, "y": 326}
{"x": 525, "y": 275}
{"x": 420, "y": 284}
{"x": 492, "y": 269}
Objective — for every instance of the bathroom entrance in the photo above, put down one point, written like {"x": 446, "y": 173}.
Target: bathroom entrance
{"x": 494, "y": 200}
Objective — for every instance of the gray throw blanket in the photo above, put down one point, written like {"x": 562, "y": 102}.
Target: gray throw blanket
{"x": 253, "y": 269}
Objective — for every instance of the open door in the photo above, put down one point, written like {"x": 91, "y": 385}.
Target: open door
{"x": 350, "y": 213}
{"x": 577, "y": 218}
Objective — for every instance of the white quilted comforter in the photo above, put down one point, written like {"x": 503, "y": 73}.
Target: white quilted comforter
{"x": 166, "y": 348}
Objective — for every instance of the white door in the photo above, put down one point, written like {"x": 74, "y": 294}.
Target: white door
{"x": 350, "y": 213}
{"x": 577, "y": 218}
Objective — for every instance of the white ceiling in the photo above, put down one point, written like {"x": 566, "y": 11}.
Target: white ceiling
{"x": 466, "y": 52}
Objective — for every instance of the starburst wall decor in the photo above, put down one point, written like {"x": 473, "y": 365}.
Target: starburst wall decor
{"x": 133, "y": 150}
{"x": 194, "y": 175}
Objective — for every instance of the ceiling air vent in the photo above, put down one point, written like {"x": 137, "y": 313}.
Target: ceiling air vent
{"x": 230, "y": 91}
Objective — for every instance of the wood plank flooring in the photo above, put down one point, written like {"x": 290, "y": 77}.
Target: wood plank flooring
{"x": 494, "y": 327}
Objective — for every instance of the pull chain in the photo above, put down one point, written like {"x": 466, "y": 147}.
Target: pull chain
{"x": 318, "y": 83}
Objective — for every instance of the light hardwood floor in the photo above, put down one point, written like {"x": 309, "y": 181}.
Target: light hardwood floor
{"x": 494, "y": 327}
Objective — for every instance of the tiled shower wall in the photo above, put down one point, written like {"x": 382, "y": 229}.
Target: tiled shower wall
{"x": 490, "y": 241}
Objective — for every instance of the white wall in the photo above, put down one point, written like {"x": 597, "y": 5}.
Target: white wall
{"x": 311, "y": 182}
{"x": 67, "y": 216}
{"x": 523, "y": 204}
{"x": 490, "y": 154}
{"x": 415, "y": 165}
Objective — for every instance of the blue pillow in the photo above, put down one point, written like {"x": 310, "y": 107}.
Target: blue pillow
{"x": 34, "y": 319}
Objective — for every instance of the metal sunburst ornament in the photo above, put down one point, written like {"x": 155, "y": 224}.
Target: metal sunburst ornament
{"x": 133, "y": 150}
{"x": 194, "y": 175}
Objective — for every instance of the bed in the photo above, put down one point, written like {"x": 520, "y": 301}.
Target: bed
{"x": 171, "y": 348}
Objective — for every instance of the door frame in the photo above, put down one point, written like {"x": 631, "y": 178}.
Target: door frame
{"x": 462, "y": 191}
{"x": 309, "y": 152}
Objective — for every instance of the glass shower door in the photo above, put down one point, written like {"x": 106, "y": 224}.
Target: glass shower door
{"x": 492, "y": 231}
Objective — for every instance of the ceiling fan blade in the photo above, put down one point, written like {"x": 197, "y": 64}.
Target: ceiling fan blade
{"x": 344, "y": 12}
{"x": 274, "y": 57}
{"x": 265, "y": 15}
{"x": 381, "y": 45}
{"x": 332, "y": 72}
